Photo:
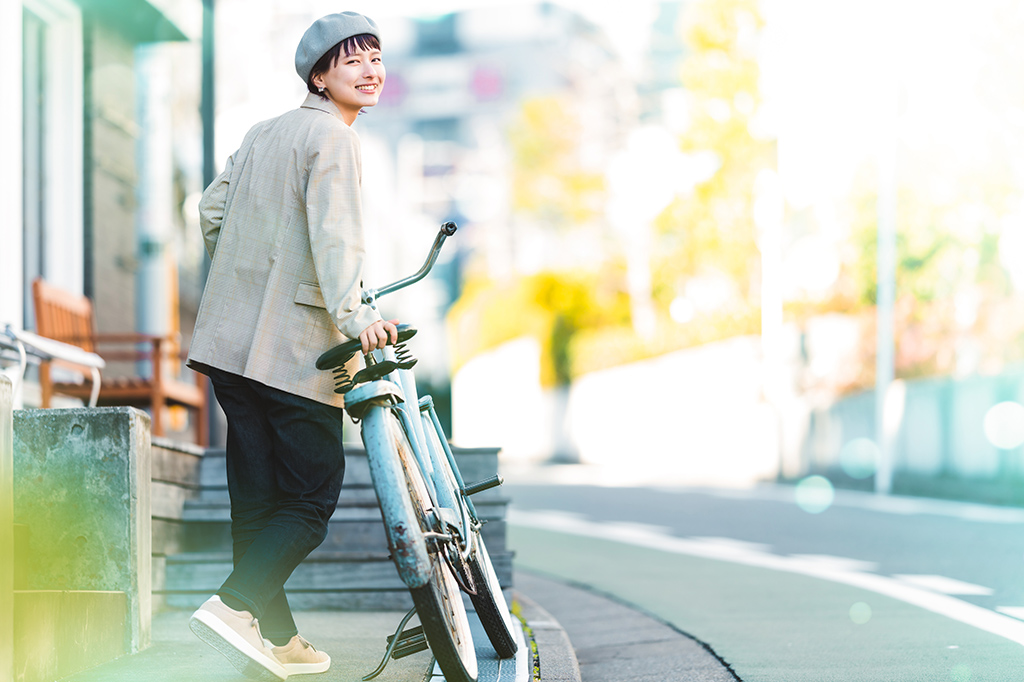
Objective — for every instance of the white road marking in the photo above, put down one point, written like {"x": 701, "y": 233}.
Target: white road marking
{"x": 729, "y": 543}
{"x": 638, "y": 527}
{"x": 887, "y": 504}
{"x": 840, "y": 562}
{"x": 1013, "y": 611}
{"x": 944, "y": 585}
{"x": 943, "y": 604}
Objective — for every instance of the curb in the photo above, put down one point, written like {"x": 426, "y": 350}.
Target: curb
{"x": 554, "y": 656}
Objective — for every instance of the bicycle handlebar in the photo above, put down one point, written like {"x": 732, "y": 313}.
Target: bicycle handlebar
{"x": 447, "y": 230}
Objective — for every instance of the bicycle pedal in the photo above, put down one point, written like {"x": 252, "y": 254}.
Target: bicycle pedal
{"x": 411, "y": 641}
{"x": 486, "y": 484}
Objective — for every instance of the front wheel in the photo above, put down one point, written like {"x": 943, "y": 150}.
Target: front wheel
{"x": 443, "y": 617}
{"x": 405, "y": 505}
{"x": 489, "y": 602}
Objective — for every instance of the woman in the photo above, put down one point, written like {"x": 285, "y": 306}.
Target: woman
{"x": 283, "y": 227}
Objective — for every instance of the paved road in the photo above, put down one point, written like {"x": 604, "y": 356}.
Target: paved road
{"x": 867, "y": 589}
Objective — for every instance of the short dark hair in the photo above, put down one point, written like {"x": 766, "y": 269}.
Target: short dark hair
{"x": 363, "y": 41}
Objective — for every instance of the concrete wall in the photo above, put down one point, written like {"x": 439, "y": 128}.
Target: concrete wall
{"x": 694, "y": 417}
{"x": 6, "y": 532}
{"x": 941, "y": 428}
{"x": 82, "y": 486}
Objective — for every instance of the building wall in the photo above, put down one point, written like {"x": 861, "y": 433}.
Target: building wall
{"x": 78, "y": 170}
{"x": 110, "y": 159}
{"x": 10, "y": 163}
{"x": 59, "y": 157}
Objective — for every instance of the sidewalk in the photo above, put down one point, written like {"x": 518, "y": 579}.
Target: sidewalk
{"x": 355, "y": 641}
{"x": 614, "y": 643}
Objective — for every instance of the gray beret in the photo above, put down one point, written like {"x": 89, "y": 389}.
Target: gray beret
{"x": 325, "y": 33}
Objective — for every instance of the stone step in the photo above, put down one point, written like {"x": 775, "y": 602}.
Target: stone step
{"x": 355, "y": 525}
{"x": 348, "y": 530}
{"x": 350, "y": 570}
{"x": 352, "y": 506}
{"x": 351, "y": 496}
{"x": 475, "y": 464}
{"x": 325, "y": 580}
{"x": 58, "y": 633}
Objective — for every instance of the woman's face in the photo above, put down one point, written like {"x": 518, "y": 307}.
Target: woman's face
{"x": 353, "y": 82}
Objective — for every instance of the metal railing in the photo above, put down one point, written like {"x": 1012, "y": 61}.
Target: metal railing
{"x": 25, "y": 347}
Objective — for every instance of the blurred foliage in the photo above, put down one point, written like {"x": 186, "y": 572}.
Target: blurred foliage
{"x": 955, "y": 311}
{"x": 606, "y": 347}
{"x": 549, "y": 186}
{"x": 942, "y": 244}
{"x": 714, "y": 227}
{"x": 582, "y": 320}
{"x": 551, "y": 307}
{"x": 549, "y": 182}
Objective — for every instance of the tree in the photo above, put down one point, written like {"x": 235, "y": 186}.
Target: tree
{"x": 549, "y": 181}
{"x": 714, "y": 227}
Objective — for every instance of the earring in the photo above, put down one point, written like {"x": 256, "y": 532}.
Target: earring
{"x": 321, "y": 88}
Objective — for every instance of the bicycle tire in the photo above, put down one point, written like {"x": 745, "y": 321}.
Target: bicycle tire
{"x": 489, "y": 602}
{"x": 446, "y": 625}
{"x": 439, "y": 602}
{"x": 487, "y": 597}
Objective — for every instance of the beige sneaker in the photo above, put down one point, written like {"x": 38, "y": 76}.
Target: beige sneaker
{"x": 299, "y": 657}
{"x": 236, "y": 634}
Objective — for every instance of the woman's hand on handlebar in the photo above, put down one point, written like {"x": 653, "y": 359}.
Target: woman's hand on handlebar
{"x": 378, "y": 334}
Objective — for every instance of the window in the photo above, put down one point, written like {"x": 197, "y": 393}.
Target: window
{"x": 436, "y": 36}
{"x": 51, "y": 115}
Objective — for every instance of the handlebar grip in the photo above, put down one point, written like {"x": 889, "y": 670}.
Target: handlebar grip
{"x": 449, "y": 228}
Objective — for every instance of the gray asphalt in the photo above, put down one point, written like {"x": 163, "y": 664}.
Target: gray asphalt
{"x": 866, "y": 590}
{"x": 977, "y": 544}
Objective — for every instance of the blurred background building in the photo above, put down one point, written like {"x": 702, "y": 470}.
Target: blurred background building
{"x": 668, "y": 262}
{"x": 101, "y": 137}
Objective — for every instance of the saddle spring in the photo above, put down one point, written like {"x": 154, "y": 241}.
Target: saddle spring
{"x": 345, "y": 382}
{"x": 404, "y": 356}
{"x": 343, "y": 379}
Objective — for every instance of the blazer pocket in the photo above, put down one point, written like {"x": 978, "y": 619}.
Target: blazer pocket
{"x": 309, "y": 293}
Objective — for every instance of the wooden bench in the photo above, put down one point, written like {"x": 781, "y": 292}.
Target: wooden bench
{"x": 68, "y": 317}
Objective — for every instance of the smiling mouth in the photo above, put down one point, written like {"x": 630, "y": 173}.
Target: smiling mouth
{"x": 366, "y": 88}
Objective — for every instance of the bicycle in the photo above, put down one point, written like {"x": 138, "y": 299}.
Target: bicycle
{"x": 432, "y": 527}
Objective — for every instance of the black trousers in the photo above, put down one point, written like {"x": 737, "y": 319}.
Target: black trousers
{"x": 285, "y": 465}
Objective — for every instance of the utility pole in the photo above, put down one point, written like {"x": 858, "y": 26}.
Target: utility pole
{"x": 885, "y": 429}
{"x": 206, "y": 110}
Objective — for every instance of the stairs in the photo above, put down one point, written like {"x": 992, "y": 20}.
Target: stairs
{"x": 350, "y": 570}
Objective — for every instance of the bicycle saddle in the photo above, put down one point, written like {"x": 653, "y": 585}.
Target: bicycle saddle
{"x": 343, "y": 352}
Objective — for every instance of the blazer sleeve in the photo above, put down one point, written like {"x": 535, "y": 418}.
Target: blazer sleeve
{"x": 335, "y": 223}
{"x": 211, "y": 206}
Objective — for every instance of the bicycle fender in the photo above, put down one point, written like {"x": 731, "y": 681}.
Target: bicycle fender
{"x": 360, "y": 398}
{"x": 405, "y": 538}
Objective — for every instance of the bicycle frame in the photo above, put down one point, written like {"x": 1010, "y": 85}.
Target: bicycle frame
{"x": 432, "y": 529}
{"x": 453, "y": 512}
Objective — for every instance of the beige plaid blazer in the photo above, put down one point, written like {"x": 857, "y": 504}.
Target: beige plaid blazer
{"x": 283, "y": 226}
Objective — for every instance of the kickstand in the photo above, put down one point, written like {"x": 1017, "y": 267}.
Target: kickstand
{"x": 412, "y": 641}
